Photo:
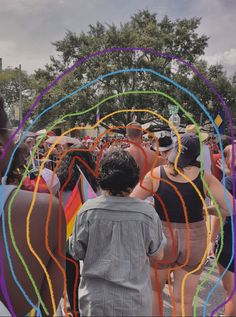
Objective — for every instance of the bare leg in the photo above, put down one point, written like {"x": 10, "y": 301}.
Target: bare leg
{"x": 158, "y": 284}
{"x": 189, "y": 291}
{"x": 228, "y": 284}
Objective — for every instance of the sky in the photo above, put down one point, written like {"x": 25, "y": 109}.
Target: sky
{"x": 28, "y": 27}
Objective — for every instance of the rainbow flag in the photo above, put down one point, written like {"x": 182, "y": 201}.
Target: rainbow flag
{"x": 81, "y": 192}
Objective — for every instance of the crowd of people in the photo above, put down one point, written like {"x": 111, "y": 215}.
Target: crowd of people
{"x": 148, "y": 221}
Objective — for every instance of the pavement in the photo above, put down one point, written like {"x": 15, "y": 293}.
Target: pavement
{"x": 216, "y": 299}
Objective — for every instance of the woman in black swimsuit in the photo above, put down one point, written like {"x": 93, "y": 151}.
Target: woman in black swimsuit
{"x": 185, "y": 247}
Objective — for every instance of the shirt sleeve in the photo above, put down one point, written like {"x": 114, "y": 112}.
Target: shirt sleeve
{"x": 79, "y": 240}
{"x": 156, "y": 238}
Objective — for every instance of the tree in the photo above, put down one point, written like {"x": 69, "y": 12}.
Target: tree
{"x": 10, "y": 90}
{"x": 144, "y": 29}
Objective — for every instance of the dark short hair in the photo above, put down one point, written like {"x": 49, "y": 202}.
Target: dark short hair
{"x": 118, "y": 172}
{"x": 63, "y": 170}
{"x": 226, "y": 140}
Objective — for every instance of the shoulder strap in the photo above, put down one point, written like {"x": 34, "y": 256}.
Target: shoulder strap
{"x": 198, "y": 182}
{"x": 161, "y": 175}
{"x": 163, "y": 172}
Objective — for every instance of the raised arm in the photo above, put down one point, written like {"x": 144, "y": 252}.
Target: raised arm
{"x": 144, "y": 188}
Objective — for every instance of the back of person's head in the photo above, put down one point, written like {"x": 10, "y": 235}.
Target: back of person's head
{"x": 228, "y": 154}
{"x": 165, "y": 142}
{"x": 118, "y": 172}
{"x": 20, "y": 157}
{"x": 134, "y": 130}
{"x": 190, "y": 150}
{"x": 78, "y": 154}
{"x": 226, "y": 140}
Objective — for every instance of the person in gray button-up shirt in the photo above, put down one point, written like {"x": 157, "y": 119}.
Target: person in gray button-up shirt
{"x": 114, "y": 235}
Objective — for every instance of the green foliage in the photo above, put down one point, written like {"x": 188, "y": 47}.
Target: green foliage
{"x": 218, "y": 78}
{"x": 144, "y": 29}
{"x": 10, "y": 90}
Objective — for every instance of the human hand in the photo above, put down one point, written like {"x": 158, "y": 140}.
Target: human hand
{"x": 227, "y": 170}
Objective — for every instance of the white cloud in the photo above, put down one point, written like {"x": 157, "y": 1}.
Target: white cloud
{"x": 7, "y": 46}
{"x": 27, "y": 27}
{"x": 226, "y": 58}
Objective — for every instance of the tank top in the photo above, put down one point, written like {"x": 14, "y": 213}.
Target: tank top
{"x": 172, "y": 202}
{"x": 8, "y": 189}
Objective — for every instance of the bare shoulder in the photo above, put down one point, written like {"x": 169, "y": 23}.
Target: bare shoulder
{"x": 40, "y": 198}
{"x": 154, "y": 173}
{"x": 24, "y": 200}
{"x": 153, "y": 177}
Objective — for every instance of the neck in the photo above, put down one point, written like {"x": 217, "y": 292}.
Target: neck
{"x": 122, "y": 194}
{"x": 135, "y": 140}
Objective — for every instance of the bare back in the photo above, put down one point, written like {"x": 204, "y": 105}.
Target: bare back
{"x": 38, "y": 224}
{"x": 145, "y": 158}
